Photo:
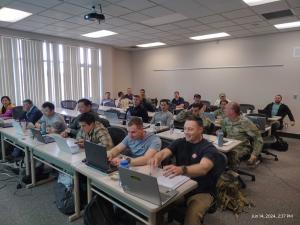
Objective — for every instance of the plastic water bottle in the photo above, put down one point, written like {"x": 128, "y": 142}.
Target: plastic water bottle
{"x": 220, "y": 136}
{"x": 43, "y": 128}
{"x": 172, "y": 127}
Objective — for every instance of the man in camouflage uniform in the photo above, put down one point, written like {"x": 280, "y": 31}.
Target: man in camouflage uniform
{"x": 236, "y": 126}
{"x": 197, "y": 111}
{"x": 93, "y": 132}
{"x": 219, "y": 113}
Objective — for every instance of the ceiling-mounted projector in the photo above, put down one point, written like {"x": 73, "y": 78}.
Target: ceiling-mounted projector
{"x": 94, "y": 16}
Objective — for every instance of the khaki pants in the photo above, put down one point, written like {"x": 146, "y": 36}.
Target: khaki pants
{"x": 197, "y": 205}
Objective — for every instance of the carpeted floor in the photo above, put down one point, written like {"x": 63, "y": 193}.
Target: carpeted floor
{"x": 276, "y": 191}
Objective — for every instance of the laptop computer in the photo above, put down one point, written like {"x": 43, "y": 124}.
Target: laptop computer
{"x": 42, "y": 138}
{"x": 96, "y": 157}
{"x": 112, "y": 117}
{"x": 5, "y": 125}
{"x": 145, "y": 187}
{"x": 210, "y": 116}
{"x": 260, "y": 122}
{"x": 66, "y": 145}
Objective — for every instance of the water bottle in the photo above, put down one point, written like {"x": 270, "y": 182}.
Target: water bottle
{"x": 172, "y": 127}
{"x": 124, "y": 164}
{"x": 43, "y": 128}
{"x": 220, "y": 136}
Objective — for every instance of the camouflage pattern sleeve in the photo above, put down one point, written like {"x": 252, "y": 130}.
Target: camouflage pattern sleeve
{"x": 251, "y": 130}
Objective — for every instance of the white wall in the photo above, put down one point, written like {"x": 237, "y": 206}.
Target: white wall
{"x": 244, "y": 85}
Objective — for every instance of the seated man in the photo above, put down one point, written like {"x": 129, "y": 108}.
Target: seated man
{"x": 222, "y": 96}
{"x": 138, "y": 109}
{"x": 236, "y": 126}
{"x": 164, "y": 117}
{"x": 146, "y": 101}
{"x": 107, "y": 101}
{"x": 123, "y": 102}
{"x": 219, "y": 113}
{"x": 93, "y": 132}
{"x": 199, "y": 159}
{"x": 197, "y": 100}
{"x": 31, "y": 113}
{"x": 197, "y": 111}
{"x": 277, "y": 108}
{"x": 84, "y": 106}
{"x": 141, "y": 144}
{"x": 178, "y": 101}
{"x": 51, "y": 118}
{"x": 129, "y": 94}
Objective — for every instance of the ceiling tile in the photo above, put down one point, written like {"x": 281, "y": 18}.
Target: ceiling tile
{"x": 115, "y": 10}
{"x": 170, "y": 18}
{"x": 232, "y": 28}
{"x": 66, "y": 24}
{"x": 135, "y": 26}
{"x": 116, "y": 22}
{"x": 249, "y": 19}
{"x": 166, "y": 27}
{"x": 101, "y": 26}
{"x": 263, "y": 29}
{"x": 149, "y": 30}
{"x": 238, "y": 13}
{"x": 55, "y": 14}
{"x": 156, "y": 11}
{"x": 70, "y": 9}
{"x": 241, "y": 32}
{"x": 30, "y": 24}
{"x": 136, "y": 17}
{"x": 211, "y": 19}
{"x": 200, "y": 28}
{"x": 54, "y": 28}
{"x": 188, "y": 23}
{"x": 43, "y": 3}
{"x": 222, "y": 24}
{"x": 136, "y": 5}
{"x": 255, "y": 25}
{"x": 21, "y": 27}
{"x": 42, "y": 19}
{"x": 219, "y": 6}
{"x": 26, "y": 7}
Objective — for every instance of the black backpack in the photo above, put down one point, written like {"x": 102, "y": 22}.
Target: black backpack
{"x": 280, "y": 145}
{"x": 64, "y": 198}
{"x": 99, "y": 212}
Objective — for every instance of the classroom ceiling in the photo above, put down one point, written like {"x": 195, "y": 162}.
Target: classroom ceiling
{"x": 144, "y": 21}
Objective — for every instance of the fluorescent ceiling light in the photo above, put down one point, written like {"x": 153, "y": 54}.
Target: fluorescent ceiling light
{"x": 99, "y": 34}
{"x": 151, "y": 44}
{"x": 210, "y": 36}
{"x": 258, "y": 2}
{"x": 287, "y": 25}
{"x": 12, "y": 15}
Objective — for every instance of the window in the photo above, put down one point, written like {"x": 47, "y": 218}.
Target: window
{"x": 44, "y": 71}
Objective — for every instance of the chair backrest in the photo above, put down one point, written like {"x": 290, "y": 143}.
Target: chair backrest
{"x": 117, "y": 134}
{"x": 154, "y": 101}
{"x": 95, "y": 107}
{"x": 205, "y": 102}
{"x": 17, "y": 112}
{"x": 68, "y": 104}
{"x": 245, "y": 107}
{"x": 186, "y": 104}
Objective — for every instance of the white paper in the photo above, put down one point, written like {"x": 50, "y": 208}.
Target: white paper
{"x": 172, "y": 183}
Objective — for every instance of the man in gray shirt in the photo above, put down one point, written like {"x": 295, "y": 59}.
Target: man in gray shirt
{"x": 164, "y": 117}
{"x": 52, "y": 119}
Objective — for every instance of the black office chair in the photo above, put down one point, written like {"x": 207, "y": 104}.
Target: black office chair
{"x": 245, "y": 107}
{"x": 95, "y": 107}
{"x": 117, "y": 134}
{"x": 17, "y": 112}
{"x": 68, "y": 104}
{"x": 178, "y": 212}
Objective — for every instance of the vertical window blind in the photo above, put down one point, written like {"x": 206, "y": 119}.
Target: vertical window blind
{"x": 44, "y": 71}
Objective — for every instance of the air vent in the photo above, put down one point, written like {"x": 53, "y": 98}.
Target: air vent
{"x": 278, "y": 14}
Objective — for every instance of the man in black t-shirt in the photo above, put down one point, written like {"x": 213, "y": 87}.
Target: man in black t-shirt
{"x": 199, "y": 159}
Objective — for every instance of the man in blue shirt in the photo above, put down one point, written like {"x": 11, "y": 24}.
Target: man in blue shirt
{"x": 32, "y": 113}
{"x": 178, "y": 101}
{"x": 141, "y": 144}
{"x": 107, "y": 101}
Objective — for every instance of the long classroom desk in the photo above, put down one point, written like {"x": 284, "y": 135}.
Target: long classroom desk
{"x": 61, "y": 161}
{"x": 177, "y": 133}
{"x": 146, "y": 212}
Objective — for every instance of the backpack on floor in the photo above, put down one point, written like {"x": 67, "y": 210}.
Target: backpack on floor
{"x": 63, "y": 192}
{"x": 229, "y": 195}
{"x": 99, "y": 212}
{"x": 280, "y": 145}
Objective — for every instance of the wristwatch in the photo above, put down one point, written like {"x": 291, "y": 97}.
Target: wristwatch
{"x": 184, "y": 170}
